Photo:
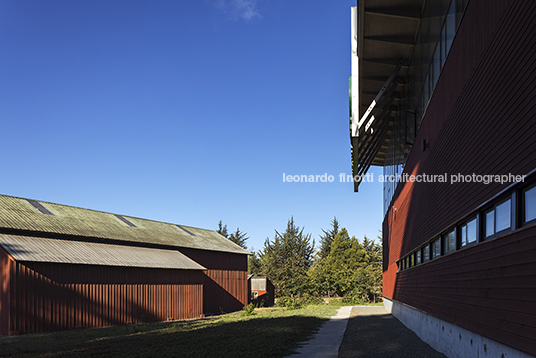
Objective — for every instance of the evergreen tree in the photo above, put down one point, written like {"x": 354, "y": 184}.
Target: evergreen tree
{"x": 254, "y": 264}
{"x": 350, "y": 269}
{"x": 222, "y": 229}
{"x": 327, "y": 238}
{"x": 287, "y": 259}
{"x": 239, "y": 238}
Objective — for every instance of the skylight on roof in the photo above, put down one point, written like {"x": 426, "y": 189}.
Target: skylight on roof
{"x": 40, "y": 207}
{"x": 180, "y": 227}
{"x": 125, "y": 220}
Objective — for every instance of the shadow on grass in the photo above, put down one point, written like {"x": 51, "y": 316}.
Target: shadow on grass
{"x": 247, "y": 337}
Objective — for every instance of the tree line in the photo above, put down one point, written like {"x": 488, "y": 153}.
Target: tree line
{"x": 342, "y": 266}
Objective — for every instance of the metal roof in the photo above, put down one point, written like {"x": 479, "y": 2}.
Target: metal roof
{"x": 38, "y": 249}
{"x": 22, "y": 215}
{"x": 385, "y": 34}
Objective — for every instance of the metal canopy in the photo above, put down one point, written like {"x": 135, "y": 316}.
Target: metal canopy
{"x": 384, "y": 33}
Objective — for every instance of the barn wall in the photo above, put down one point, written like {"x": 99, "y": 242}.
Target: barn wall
{"x": 225, "y": 285}
{"x": 481, "y": 119}
{"x": 5, "y": 275}
{"x": 50, "y": 297}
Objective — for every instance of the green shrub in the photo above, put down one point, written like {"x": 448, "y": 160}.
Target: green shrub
{"x": 311, "y": 301}
{"x": 293, "y": 303}
{"x": 248, "y": 310}
{"x": 335, "y": 302}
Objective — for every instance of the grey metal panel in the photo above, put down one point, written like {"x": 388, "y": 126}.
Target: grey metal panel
{"x": 37, "y": 249}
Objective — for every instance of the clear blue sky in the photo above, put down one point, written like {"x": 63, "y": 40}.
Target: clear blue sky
{"x": 183, "y": 111}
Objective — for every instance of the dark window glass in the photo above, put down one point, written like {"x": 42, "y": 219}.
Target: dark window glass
{"x": 449, "y": 242}
{"x": 503, "y": 216}
{"x": 436, "y": 248}
{"x": 418, "y": 257}
{"x": 530, "y": 204}
{"x": 426, "y": 253}
{"x": 490, "y": 223}
{"x": 468, "y": 232}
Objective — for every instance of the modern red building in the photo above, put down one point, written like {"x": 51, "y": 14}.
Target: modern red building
{"x": 63, "y": 267}
{"x": 443, "y": 98}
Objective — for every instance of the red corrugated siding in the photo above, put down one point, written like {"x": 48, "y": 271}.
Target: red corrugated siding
{"x": 5, "y": 275}
{"x": 225, "y": 285}
{"x": 481, "y": 119}
{"x": 50, "y": 297}
{"x": 489, "y": 289}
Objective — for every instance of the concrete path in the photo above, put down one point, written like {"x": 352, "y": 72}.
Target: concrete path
{"x": 373, "y": 332}
{"x": 327, "y": 340}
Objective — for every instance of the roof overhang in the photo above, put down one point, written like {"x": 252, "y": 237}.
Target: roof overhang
{"x": 383, "y": 36}
{"x": 41, "y": 249}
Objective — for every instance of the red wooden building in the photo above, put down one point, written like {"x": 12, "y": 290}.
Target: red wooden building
{"x": 442, "y": 96}
{"x": 63, "y": 267}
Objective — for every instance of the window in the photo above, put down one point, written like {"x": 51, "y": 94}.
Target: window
{"x": 449, "y": 242}
{"x": 468, "y": 233}
{"x": 490, "y": 223}
{"x": 529, "y": 199}
{"x": 499, "y": 218}
{"x": 418, "y": 257}
{"x": 436, "y": 248}
{"x": 426, "y": 253}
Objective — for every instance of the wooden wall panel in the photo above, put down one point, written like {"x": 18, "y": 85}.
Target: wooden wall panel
{"x": 481, "y": 119}
{"x": 50, "y": 297}
{"x": 6, "y": 265}
{"x": 225, "y": 285}
{"x": 489, "y": 288}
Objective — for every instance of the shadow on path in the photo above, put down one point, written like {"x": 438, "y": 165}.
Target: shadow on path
{"x": 373, "y": 332}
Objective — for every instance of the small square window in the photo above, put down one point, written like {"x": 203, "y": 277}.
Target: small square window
{"x": 530, "y": 204}
{"x": 499, "y": 218}
{"x": 436, "y": 248}
{"x": 426, "y": 253}
{"x": 449, "y": 242}
{"x": 503, "y": 216}
{"x": 490, "y": 223}
{"x": 468, "y": 233}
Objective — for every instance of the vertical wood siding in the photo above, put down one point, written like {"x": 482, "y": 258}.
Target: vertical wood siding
{"x": 49, "y": 297}
{"x": 225, "y": 286}
{"x": 481, "y": 119}
{"x": 5, "y": 276}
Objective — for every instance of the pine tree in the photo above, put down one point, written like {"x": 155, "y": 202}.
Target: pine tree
{"x": 254, "y": 264}
{"x": 287, "y": 259}
{"x": 239, "y": 238}
{"x": 222, "y": 229}
{"x": 327, "y": 239}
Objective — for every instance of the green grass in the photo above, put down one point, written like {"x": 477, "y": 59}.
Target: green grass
{"x": 268, "y": 333}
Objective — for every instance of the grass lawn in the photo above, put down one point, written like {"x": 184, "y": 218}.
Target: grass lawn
{"x": 268, "y": 333}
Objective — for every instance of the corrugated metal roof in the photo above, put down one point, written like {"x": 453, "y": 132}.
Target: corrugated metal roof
{"x": 37, "y": 249}
{"x": 20, "y": 214}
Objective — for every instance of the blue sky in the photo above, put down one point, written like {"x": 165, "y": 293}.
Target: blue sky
{"x": 183, "y": 111}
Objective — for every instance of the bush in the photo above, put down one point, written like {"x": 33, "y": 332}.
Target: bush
{"x": 312, "y": 301}
{"x": 335, "y": 302}
{"x": 248, "y": 310}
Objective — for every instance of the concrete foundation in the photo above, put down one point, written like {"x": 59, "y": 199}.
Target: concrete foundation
{"x": 447, "y": 338}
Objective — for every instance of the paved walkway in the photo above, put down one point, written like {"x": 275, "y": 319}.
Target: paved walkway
{"x": 365, "y": 332}
{"x": 327, "y": 340}
{"x": 373, "y": 332}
